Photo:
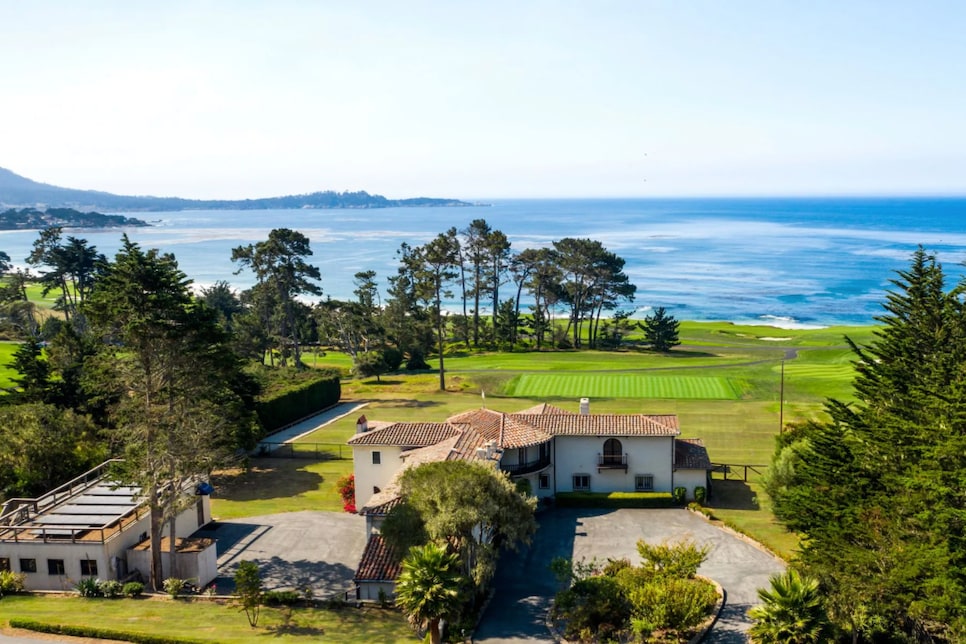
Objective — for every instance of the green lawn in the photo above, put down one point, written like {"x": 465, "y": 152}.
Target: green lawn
{"x": 274, "y": 485}
{"x": 7, "y": 373}
{"x": 211, "y": 621}
{"x": 611, "y": 385}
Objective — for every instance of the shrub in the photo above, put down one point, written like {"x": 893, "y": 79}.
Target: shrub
{"x": 174, "y": 586}
{"x": 700, "y": 494}
{"x": 88, "y": 587}
{"x": 593, "y": 609}
{"x": 346, "y": 485}
{"x": 281, "y": 597}
{"x": 310, "y": 392}
{"x": 133, "y": 589}
{"x": 393, "y": 358}
{"x": 680, "y": 495}
{"x": 671, "y": 603}
{"x": 11, "y": 582}
{"x": 111, "y": 589}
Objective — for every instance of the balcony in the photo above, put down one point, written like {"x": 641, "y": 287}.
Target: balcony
{"x": 611, "y": 462}
{"x": 529, "y": 467}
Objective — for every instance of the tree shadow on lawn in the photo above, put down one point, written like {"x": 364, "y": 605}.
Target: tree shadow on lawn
{"x": 733, "y": 495}
{"x": 268, "y": 478}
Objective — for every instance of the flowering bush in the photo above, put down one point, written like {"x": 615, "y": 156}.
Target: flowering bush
{"x": 347, "y": 490}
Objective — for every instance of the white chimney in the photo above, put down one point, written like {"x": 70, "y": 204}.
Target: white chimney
{"x": 362, "y": 425}
{"x": 490, "y": 449}
{"x": 585, "y": 406}
{"x": 482, "y": 453}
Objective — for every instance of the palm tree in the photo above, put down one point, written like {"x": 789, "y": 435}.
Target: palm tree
{"x": 428, "y": 587}
{"x": 791, "y": 612}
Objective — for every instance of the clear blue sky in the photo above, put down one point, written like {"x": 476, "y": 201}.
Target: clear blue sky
{"x": 485, "y": 99}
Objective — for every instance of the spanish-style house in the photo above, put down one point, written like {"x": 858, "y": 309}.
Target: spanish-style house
{"x": 554, "y": 450}
{"x": 93, "y": 526}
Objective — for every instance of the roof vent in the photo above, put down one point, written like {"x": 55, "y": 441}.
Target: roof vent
{"x": 482, "y": 453}
{"x": 585, "y": 406}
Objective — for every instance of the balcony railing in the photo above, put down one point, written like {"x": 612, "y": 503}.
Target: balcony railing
{"x": 612, "y": 462}
{"x": 517, "y": 469}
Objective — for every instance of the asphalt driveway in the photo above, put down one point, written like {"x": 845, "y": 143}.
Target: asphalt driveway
{"x": 294, "y": 550}
{"x": 524, "y": 586}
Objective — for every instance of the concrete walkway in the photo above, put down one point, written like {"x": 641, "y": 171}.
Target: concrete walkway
{"x": 524, "y": 586}
{"x": 309, "y": 425}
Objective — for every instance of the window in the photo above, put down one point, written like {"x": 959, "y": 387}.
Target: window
{"x": 613, "y": 452}
{"x": 376, "y": 458}
{"x": 581, "y": 482}
{"x": 89, "y": 567}
{"x": 28, "y": 565}
{"x": 544, "y": 482}
{"x": 4, "y": 564}
{"x": 644, "y": 482}
{"x": 55, "y": 566}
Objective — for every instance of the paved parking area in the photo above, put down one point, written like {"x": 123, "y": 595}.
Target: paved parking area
{"x": 294, "y": 550}
{"x": 524, "y": 586}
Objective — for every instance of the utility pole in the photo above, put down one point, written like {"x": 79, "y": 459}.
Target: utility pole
{"x": 781, "y": 402}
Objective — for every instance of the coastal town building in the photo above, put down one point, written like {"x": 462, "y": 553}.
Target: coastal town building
{"x": 92, "y": 526}
{"x": 554, "y": 450}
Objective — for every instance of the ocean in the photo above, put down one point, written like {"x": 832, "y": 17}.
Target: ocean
{"x": 788, "y": 262}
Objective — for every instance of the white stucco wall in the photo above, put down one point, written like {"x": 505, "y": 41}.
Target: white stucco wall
{"x": 645, "y": 455}
{"x": 690, "y": 479}
{"x": 368, "y": 475}
{"x": 72, "y": 553}
{"x": 369, "y": 590}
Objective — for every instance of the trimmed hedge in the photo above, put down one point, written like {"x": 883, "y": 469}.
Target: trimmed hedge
{"x": 93, "y": 631}
{"x": 281, "y": 407}
{"x": 615, "y": 500}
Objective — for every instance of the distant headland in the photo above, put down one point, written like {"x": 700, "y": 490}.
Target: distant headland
{"x": 34, "y": 219}
{"x": 19, "y": 192}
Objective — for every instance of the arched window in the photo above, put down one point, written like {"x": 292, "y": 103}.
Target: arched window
{"x": 613, "y": 452}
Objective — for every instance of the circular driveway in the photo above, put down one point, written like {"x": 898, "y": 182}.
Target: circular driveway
{"x": 524, "y": 586}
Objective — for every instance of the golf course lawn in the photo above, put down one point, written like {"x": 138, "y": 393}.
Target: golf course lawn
{"x": 629, "y": 385}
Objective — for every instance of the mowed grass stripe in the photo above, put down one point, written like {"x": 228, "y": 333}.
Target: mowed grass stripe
{"x": 601, "y": 385}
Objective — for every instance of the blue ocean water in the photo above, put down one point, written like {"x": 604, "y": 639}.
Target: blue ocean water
{"x": 787, "y": 262}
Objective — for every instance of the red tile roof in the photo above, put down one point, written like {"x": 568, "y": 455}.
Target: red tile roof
{"x": 543, "y": 408}
{"x": 406, "y": 434}
{"x": 604, "y": 424}
{"x": 691, "y": 454}
{"x": 380, "y": 561}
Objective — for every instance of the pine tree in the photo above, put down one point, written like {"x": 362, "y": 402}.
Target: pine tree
{"x": 661, "y": 330}
{"x": 878, "y": 489}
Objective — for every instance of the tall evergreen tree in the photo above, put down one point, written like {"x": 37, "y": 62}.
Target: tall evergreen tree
{"x": 879, "y": 490}
{"x": 166, "y": 365}
{"x": 279, "y": 265}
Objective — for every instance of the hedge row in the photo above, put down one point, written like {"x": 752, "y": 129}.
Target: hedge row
{"x": 93, "y": 631}
{"x": 280, "y": 408}
{"x": 615, "y": 500}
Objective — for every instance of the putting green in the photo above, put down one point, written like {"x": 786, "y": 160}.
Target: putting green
{"x": 609, "y": 385}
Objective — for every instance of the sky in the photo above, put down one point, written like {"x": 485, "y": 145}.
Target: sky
{"x": 487, "y": 99}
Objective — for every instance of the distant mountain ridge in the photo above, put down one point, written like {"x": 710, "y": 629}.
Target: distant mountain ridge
{"x": 18, "y": 192}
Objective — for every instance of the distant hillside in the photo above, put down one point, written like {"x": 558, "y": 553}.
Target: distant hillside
{"x": 17, "y": 191}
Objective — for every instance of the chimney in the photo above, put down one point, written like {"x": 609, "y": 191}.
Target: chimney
{"x": 362, "y": 425}
{"x": 490, "y": 449}
{"x": 482, "y": 453}
{"x": 585, "y": 406}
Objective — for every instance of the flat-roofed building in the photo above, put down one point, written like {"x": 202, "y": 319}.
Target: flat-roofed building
{"x": 85, "y": 528}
